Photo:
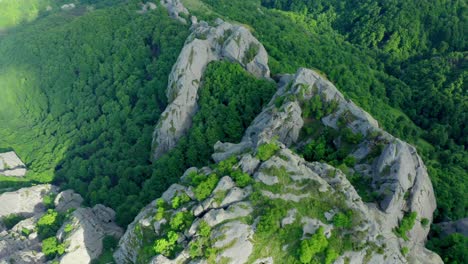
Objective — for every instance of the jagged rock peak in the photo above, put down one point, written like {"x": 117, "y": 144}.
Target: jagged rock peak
{"x": 261, "y": 169}
{"x": 224, "y": 41}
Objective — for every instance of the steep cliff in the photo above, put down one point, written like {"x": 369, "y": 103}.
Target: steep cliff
{"x": 263, "y": 203}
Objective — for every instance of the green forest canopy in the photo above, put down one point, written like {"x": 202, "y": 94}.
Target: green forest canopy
{"x": 82, "y": 91}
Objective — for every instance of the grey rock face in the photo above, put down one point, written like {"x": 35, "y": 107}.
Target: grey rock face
{"x": 67, "y": 200}
{"x": 11, "y": 165}
{"x": 204, "y": 45}
{"x": 90, "y": 226}
{"x": 26, "y": 201}
{"x": 175, "y": 9}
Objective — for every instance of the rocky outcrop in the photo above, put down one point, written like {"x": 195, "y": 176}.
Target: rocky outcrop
{"x": 26, "y": 201}
{"x": 89, "y": 227}
{"x": 82, "y": 232}
{"x": 206, "y": 44}
{"x": 397, "y": 174}
{"x": 176, "y": 9}
{"x": 67, "y": 200}
{"x": 11, "y": 165}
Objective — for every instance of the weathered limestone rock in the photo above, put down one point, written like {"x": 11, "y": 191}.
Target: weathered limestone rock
{"x": 67, "y": 200}
{"x": 67, "y": 7}
{"x": 175, "y": 9}
{"x": 90, "y": 226}
{"x": 11, "y": 165}
{"x": 204, "y": 45}
{"x": 25, "y": 201}
{"x": 236, "y": 236}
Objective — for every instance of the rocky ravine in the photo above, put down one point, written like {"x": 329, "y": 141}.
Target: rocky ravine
{"x": 312, "y": 194}
{"x": 82, "y": 231}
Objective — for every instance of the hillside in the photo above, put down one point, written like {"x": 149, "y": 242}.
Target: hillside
{"x": 118, "y": 101}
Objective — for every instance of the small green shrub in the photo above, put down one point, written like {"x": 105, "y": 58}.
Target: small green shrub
{"x": 406, "y": 225}
{"x": 250, "y": 53}
{"x": 166, "y": 246}
{"x": 404, "y": 251}
{"x": 225, "y": 167}
{"x": 25, "y": 232}
{"x": 48, "y": 200}
{"x": 330, "y": 256}
{"x": 242, "y": 179}
{"x": 68, "y": 228}
{"x": 49, "y": 224}
{"x": 424, "y": 222}
{"x": 310, "y": 247}
{"x": 51, "y": 247}
{"x": 181, "y": 220}
{"x": 265, "y": 151}
{"x": 180, "y": 199}
{"x": 204, "y": 189}
{"x": 161, "y": 209}
{"x": 342, "y": 220}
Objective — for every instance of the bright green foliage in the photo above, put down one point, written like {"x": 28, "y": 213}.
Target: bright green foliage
{"x": 25, "y": 232}
{"x": 201, "y": 246}
{"x": 11, "y": 220}
{"x": 181, "y": 220}
{"x": 406, "y": 225}
{"x": 225, "y": 166}
{"x": 49, "y": 224}
{"x": 204, "y": 229}
{"x": 162, "y": 246}
{"x": 48, "y": 200}
{"x": 179, "y": 200}
{"x": 13, "y": 12}
{"x": 68, "y": 228}
{"x": 342, "y": 220}
{"x": 204, "y": 189}
{"x": 310, "y": 247}
{"x": 51, "y": 247}
{"x": 195, "y": 178}
{"x": 161, "y": 209}
{"x": 270, "y": 220}
{"x": 330, "y": 256}
{"x": 265, "y": 151}
{"x": 242, "y": 179}
{"x": 166, "y": 246}
{"x": 404, "y": 251}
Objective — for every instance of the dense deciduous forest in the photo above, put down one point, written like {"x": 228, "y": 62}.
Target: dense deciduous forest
{"x": 82, "y": 90}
